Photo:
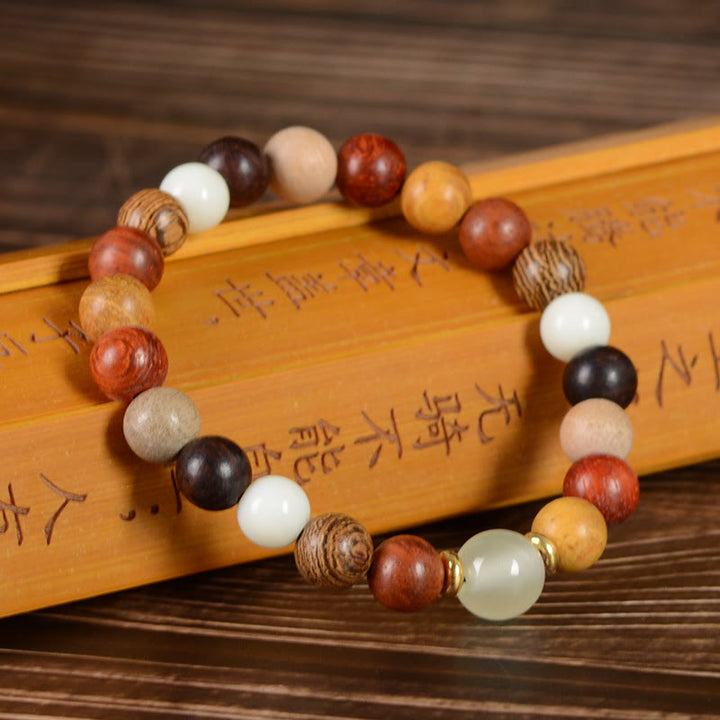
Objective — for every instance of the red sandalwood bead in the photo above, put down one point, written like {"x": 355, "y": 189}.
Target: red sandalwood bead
{"x": 493, "y": 233}
{"x": 371, "y": 170}
{"x": 607, "y": 482}
{"x": 407, "y": 573}
{"x": 126, "y": 361}
{"x": 127, "y": 251}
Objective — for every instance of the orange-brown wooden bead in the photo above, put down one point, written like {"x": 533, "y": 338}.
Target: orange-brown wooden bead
{"x": 159, "y": 214}
{"x": 435, "y": 197}
{"x": 128, "y": 251}
{"x": 126, "y": 361}
{"x": 576, "y": 528}
{"x": 407, "y": 573}
{"x": 113, "y": 301}
{"x": 333, "y": 550}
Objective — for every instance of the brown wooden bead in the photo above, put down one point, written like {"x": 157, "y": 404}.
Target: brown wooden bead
{"x": 159, "y": 214}
{"x": 126, "y": 361}
{"x": 407, "y": 573}
{"x": 334, "y": 550}
{"x": 242, "y": 164}
{"x": 547, "y": 269}
{"x": 435, "y": 196}
{"x": 493, "y": 232}
{"x": 112, "y": 301}
{"x": 371, "y": 170}
{"x": 128, "y": 251}
{"x": 607, "y": 482}
{"x": 602, "y": 371}
{"x": 577, "y": 530}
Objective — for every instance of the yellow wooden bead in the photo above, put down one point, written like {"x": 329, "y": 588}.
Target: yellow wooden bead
{"x": 435, "y": 197}
{"x": 576, "y": 528}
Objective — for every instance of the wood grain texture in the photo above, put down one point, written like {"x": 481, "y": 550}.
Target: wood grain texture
{"x": 97, "y": 103}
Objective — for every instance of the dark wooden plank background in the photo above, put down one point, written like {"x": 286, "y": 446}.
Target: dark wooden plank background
{"x": 99, "y": 99}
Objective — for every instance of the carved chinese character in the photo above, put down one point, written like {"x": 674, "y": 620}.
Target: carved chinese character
{"x": 441, "y": 429}
{"x": 68, "y": 497}
{"x": 261, "y": 457}
{"x": 656, "y": 215}
{"x": 16, "y": 511}
{"x": 238, "y": 297}
{"x": 423, "y": 256}
{"x": 498, "y": 405}
{"x": 298, "y": 289}
{"x": 599, "y": 225}
{"x": 680, "y": 365}
{"x": 317, "y": 437}
{"x": 381, "y": 436}
{"x": 69, "y": 336}
{"x": 367, "y": 273}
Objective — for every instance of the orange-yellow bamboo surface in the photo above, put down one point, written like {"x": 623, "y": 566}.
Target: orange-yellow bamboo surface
{"x": 372, "y": 364}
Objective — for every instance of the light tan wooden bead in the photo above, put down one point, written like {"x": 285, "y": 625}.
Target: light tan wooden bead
{"x": 303, "y": 164}
{"x": 596, "y": 427}
{"x": 113, "y": 301}
{"x": 576, "y": 528}
{"x": 435, "y": 197}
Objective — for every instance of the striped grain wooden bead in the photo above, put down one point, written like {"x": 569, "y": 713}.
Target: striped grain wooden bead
{"x": 334, "y": 550}
{"x": 159, "y": 214}
{"x": 547, "y": 269}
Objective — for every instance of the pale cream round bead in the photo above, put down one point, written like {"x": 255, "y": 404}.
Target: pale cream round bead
{"x": 596, "y": 427}
{"x": 504, "y": 574}
{"x": 201, "y": 191}
{"x": 159, "y": 422}
{"x": 273, "y": 511}
{"x": 573, "y": 322}
{"x": 303, "y": 164}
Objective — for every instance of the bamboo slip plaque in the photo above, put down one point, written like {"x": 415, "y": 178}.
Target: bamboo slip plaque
{"x": 373, "y": 365}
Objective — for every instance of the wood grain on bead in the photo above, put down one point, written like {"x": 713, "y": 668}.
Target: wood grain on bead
{"x": 159, "y": 214}
{"x": 407, "y": 573}
{"x": 602, "y": 371}
{"x": 596, "y": 427}
{"x": 112, "y": 301}
{"x": 128, "y": 251}
{"x": 493, "y": 233}
{"x": 576, "y": 528}
{"x": 371, "y": 170}
{"x": 435, "y": 196}
{"x": 607, "y": 482}
{"x": 334, "y": 550}
{"x": 212, "y": 472}
{"x": 547, "y": 269}
{"x": 242, "y": 164}
{"x": 126, "y": 361}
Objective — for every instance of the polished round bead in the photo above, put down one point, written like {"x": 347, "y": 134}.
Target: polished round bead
{"x": 112, "y": 301}
{"x": 608, "y": 482}
{"x": 435, "y": 196}
{"x": 596, "y": 427}
{"x": 601, "y": 371}
{"x": 212, "y": 472}
{"x": 201, "y": 191}
{"x": 576, "y": 529}
{"x": 334, "y": 550}
{"x": 406, "y": 574}
{"x": 159, "y": 422}
{"x": 547, "y": 269}
{"x": 273, "y": 511}
{"x": 572, "y": 323}
{"x": 159, "y": 215}
{"x": 242, "y": 164}
{"x": 454, "y": 574}
{"x": 303, "y": 164}
{"x": 127, "y": 251}
{"x": 493, "y": 233}
{"x": 504, "y": 574}
{"x": 371, "y": 170}
{"x": 125, "y": 361}
{"x": 546, "y": 547}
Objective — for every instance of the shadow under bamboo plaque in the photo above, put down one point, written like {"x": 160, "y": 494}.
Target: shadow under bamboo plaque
{"x": 373, "y": 365}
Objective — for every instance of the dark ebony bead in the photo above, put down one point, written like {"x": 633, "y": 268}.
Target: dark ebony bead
{"x": 212, "y": 472}
{"x": 600, "y": 372}
{"x": 242, "y": 164}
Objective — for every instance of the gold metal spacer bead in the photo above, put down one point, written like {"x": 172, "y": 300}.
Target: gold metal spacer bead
{"x": 454, "y": 574}
{"x": 547, "y": 550}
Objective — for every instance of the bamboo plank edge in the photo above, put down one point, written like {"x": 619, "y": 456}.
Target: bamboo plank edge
{"x": 574, "y": 161}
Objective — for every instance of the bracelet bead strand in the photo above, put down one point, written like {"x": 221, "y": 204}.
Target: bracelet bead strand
{"x": 497, "y": 574}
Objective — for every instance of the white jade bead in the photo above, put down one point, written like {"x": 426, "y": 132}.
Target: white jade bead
{"x": 202, "y": 192}
{"x": 504, "y": 574}
{"x": 303, "y": 164}
{"x": 273, "y": 511}
{"x": 573, "y": 322}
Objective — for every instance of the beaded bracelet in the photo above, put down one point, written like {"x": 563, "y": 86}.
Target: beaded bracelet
{"x": 497, "y": 574}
